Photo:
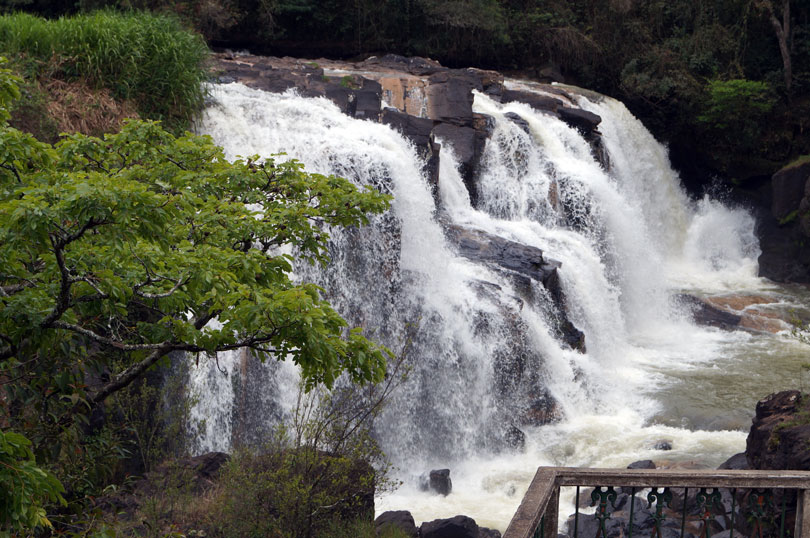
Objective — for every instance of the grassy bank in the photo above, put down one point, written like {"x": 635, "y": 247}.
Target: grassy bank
{"x": 144, "y": 58}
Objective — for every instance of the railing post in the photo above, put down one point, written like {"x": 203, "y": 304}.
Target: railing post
{"x": 803, "y": 514}
{"x": 552, "y": 511}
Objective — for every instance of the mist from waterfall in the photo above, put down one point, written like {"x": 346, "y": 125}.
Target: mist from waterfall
{"x": 628, "y": 238}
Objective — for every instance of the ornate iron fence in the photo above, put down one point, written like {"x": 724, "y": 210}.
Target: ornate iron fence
{"x": 750, "y": 503}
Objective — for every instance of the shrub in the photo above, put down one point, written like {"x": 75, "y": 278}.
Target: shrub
{"x": 24, "y": 487}
{"x": 147, "y": 58}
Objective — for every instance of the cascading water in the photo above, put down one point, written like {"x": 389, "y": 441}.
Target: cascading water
{"x": 484, "y": 347}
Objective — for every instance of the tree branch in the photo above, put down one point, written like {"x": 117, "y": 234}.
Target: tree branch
{"x": 181, "y": 282}
{"x": 129, "y": 375}
{"x": 100, "y": 294}
{"x": 108, "y": 341}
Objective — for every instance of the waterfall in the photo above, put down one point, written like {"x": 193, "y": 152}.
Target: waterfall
{"x": 485, "y": 345}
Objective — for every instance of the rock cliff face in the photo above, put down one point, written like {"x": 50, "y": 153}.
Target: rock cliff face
{"x": 416, "y": 96}
{"x": 784, "y": 231}
{"x": 780, "y": 434}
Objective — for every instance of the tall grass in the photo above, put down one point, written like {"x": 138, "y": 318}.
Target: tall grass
{"x": 147, "y": 58}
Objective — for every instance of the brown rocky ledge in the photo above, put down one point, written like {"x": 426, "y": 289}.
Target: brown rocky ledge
{"x": 758, "y": 313}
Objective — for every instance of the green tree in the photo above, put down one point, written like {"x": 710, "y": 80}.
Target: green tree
{"x": 115, "y": 252}
{"x": 25, "y": 489}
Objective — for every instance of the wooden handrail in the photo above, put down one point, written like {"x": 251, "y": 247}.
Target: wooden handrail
{"x": 542, "y": 497}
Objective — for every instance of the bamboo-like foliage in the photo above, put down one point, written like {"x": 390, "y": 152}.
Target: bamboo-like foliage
{"x": 147, "y": 58}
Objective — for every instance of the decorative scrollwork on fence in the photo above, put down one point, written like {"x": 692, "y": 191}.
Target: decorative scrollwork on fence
{"x": 660, "y": 499}
{"x": 705, "y": 503}
{"x": 759, "y": 503}
{"x": 603, "y": 496}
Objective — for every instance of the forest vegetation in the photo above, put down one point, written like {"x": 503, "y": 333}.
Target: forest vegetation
{"x": 726, "y": 83}
{"x": 118, "y": 251}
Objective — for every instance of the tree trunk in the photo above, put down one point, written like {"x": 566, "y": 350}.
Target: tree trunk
{"x": 783, "y": 34}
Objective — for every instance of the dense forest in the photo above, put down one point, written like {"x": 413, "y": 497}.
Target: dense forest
{"x": 723, "y": 82}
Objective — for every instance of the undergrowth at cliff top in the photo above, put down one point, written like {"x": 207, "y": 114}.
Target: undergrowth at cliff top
{"x": 147, "y": 58}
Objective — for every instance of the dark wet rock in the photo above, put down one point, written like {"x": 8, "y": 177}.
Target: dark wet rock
{"x": 417, "y": 130}
{"x": 420, "y": 132}
{"x": 450, "y": 97}
{"x": 482, "y": 246}
{"x": 788, "y": 189}
{"x": 534, "y": 100}
{"x": 642, "y": 464}
{"x": 599, "y": 150}
{"x": 517, "y": 120}
{"x": 400, "y": 519}
{"x": 580, "y": 119}
{"x": 784, "y": 230}
{"x": 484, "y": 532}
{"x": 489, "y": 82}
{"x": 679, "y": 502}
{"x": 414, "y": 65}
{"x": 663, "y": 444}
{"x": 623, "y": 503}
{"x": 367, "y": 100}
{"x": 780, "y": 433}
{"x": 737, "y": 462}
{"x": 543, "y": 409}
{"x": 460, "y": 138}
{"x": 566, "y": 330}
{"x": 439, "y": 481}
{"x": 468, "y": 143}
{"x": 785, "y": 249}
{"x": 704, "y": 313}
{"x": 514, "y": 438}
{"x": 524, "y": 261}
{"x": 454, "y": 527}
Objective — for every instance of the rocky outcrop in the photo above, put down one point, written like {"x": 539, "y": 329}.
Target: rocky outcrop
{"x": 580, "y": 119}
{"x": 399, "y": 519}
{"x": 439, "y": 481}
{"x": 456, "y": 527}
{"x": 521, "y": 262}
{"x": 737, "y": 462}
{"x": 780, "y": 433}
{"x": 420, "y": 132}
{"x": 704, "y": 313}
{"x": 544, "y": 103}
{"x": 784, "y": 232}
{"x": 481, "y": 246}
{"x": 754, "y": 313}
{"x": 418, "y": 88}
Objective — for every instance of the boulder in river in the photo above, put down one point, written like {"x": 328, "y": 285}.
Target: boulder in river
{"x": 454, "y": 527}
{"x": 439, "y": 481}
{"x": 780, "y": 433}
{"x": 399, "y": 519}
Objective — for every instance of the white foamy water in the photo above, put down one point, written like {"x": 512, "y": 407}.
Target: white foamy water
{"x": 628, "y": 239}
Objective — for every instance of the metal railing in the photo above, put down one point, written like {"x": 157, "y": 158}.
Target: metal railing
{"x": 538, "y": 512}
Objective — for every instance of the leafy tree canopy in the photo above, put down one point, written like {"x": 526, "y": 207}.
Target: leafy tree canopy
{"x": 115, "y": 252}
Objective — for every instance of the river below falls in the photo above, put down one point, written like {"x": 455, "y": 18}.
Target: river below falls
{"x": 705, "y": 388}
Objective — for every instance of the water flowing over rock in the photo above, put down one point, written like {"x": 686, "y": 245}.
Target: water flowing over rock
{"x": 529, "y": 263}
